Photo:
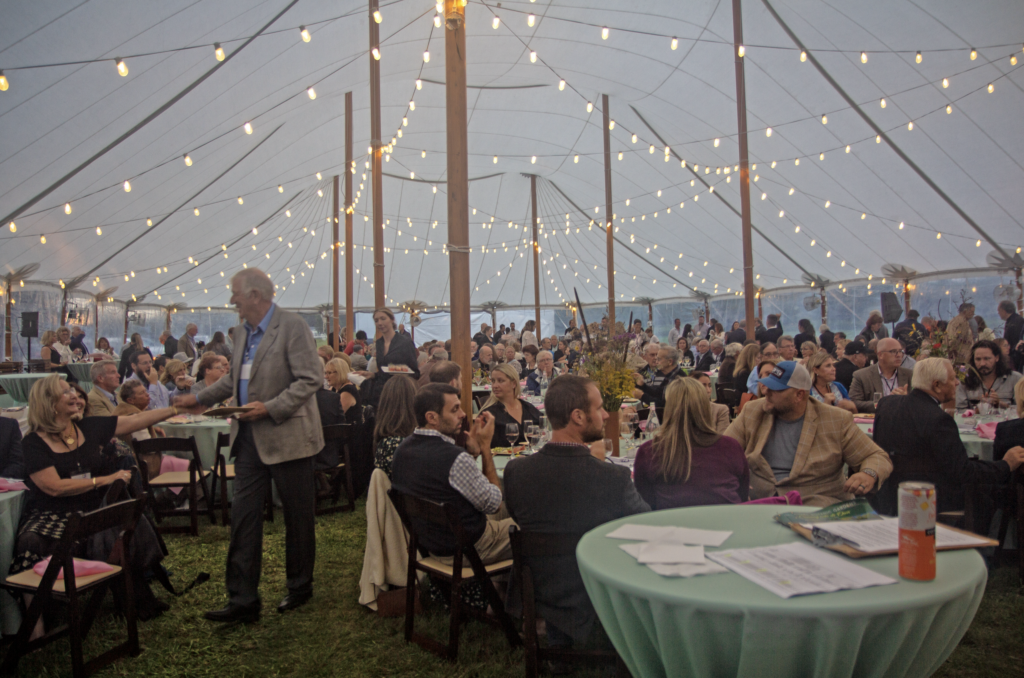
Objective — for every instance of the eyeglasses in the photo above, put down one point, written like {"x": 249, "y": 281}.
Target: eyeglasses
{"x": 895, "y": 352}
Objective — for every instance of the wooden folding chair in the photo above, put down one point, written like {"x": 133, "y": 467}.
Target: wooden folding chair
{"x": 193, "y": 479}
{"x": 527, "y": 545}
{"x": 725, "y": 395}
{"x": 47, "y": 590}
{"x": 333, "y": 477}
{"x": 412, "y": 508}
{"x": 225, "y": 472}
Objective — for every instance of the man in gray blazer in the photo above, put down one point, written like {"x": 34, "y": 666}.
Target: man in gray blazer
{"x": 276, "y": 371}
{"x": 885, "y": 378}
{"x": 564, "y": 488}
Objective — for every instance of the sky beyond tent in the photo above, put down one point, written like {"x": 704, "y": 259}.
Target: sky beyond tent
{"x": 942, "y": 79}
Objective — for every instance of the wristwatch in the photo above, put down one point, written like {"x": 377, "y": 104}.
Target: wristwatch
{"x": 870, "y": 472}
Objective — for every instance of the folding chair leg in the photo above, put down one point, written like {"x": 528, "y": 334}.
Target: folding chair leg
{"x": 193, "y": 499}
{"x": 511, "y": 634}
{"x": 129, "y": 613}
{"x": 91, "y": 608}
{"x": 410, "y": 591}
{"x": 75, "y": 633}
{"x": 224, "y": 492}
{"x": 456, "y": 618}
{"x": 531, "y": 643}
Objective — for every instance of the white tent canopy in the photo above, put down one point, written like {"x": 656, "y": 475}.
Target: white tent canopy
{"x": 850, "y": 206}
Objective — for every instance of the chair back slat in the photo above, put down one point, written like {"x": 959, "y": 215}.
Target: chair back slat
{"x": 413, "y": 508}
{"x": 162, "y": 445}
{"x": 342, "y": 432}
{"x": 541, "y": 544}
{"x": 223, "y": 440}
{"x": 122, "y": 514}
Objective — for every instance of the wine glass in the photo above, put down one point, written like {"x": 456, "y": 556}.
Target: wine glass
{"x": 628, "y": 426}
{"x": 533, "y": 436}
{"x": 512, "y": 433}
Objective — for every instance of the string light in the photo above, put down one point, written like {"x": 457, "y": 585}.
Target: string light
{"x": 882, "y": 102}
{"x": 561, "y": 85}
{"x": 3, "y": 82}
{"x": 716, "y": 142}
{"x": 768, "y": 132}
{"x": 426, "y": 56}
{"x": 99, "y": 231}
{"x": 590, "y": 107}
{"x": 533, "y": 57}
{"x": 991, "y": 88}
{"x": 377, "y": 17}
{"x": 188, "y": 160}
{"x": 741, "y": 52}
{"x": 530, "y": 20}
{"x": 67, "y": 208}
{"x": 376, "y": 55}
{"x": 863, "y": 57}
{"x": 304, "y": 34}
{"x": 604, "y": 33}
{"x": 918, "y": 58}
{"x": 495, "y": 22}
{"x": 803, "y": 57}
{"x": 196, "y": 211}
{"x": 945, "y": 83}
{"x": 149, "y": 222}
{"x": 127, "y": 186}
{"x": 824, "y": 120}
{"x": 311, "y": 92}
{"x": 674, "y": 44}
{"x": 247, "y": 127}
{"x": 974, "y": 54}
{"x": 949, "y": 109}
{"x": 42, "y": 239}
{"x": 910, "y": 126}
{"x": 122, "y": 67}
{"x": 280, "y": 188}
{"x": 240, "y": 201}
{"x": 412, "y": 105}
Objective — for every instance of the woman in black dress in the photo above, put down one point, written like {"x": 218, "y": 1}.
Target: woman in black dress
{"x": 507, "y": 407}
{"x": 68, "y": 471}
{"x": 336, "y": 372}
{"x": 390, "y": 350}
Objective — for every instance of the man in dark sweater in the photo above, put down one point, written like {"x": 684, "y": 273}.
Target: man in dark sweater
{"x": 924, "y": 444}
{"x": 854, "y": 357}
{"x": 429, "y": 465}
{"x": 567, "y": 488}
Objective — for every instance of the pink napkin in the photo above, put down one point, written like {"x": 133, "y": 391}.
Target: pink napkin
{"x": 967, "y": 413}
{"x": 169, "y": 464}
{"x": 987, "y": 430}
{"x": 83, "y": 568}
{"x": 862, "y": 420}
{"x": 791, "y": 498}
{"x": 11, "y": 485}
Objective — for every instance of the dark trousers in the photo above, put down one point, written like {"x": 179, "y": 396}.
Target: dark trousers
{"x": 295, "y": 486}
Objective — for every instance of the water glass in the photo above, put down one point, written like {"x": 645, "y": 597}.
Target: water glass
{"x": 875, "y": 397}
{"x": 512, "y": 433}
{"x": 608, "y": 448}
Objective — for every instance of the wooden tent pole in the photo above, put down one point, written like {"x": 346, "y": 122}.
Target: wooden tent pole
{"x": 609, "y": 221}
{"x": 335, "y": 272}
{"x": 458, "y": 192}
{"x": 8, "y": 340}
{"x": 741, "y": 116}
{"x": 379, "y": 298}
{"x": 350, "y": 311}
{"x": 536, "y": 255}
{"x": 906, "y": 295}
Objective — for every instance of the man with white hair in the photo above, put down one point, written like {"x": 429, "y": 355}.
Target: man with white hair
{"x": 794, "y": 442}
{"x": 700, "y": 350}
{"x": 712, "y": 359}
{"x": 651, "y": 389}
{"x": 275, "y": 372}
{"x": 78, "y": 340}
{"x": 187, "y": 343}
{"x": 545, "y": 368}
{"x": 924, "y": 443}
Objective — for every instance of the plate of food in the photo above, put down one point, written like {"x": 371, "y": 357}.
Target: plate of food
{"x": 396, "y": 369}
{"x": 223, "y": 412}
{"x": 507, "y": 451}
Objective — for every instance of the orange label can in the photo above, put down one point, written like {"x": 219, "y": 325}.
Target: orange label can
{"x": 917, "y": 512}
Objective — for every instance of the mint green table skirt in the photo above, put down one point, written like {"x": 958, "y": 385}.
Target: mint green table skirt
{"x": 205, "y": 433}
{"x": 725, "y": 625}
{"x": 11, "y": 505}
{"x": 18, "y": 386}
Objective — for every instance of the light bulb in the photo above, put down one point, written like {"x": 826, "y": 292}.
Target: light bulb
{"x": 99, "y": 231}
{"x": 590, "y": 107}
{"x": 13, "y": 227}
{"x": 974, "y": 54}
{"x": 495, "y": 160}
{"x": 376, "y": 54}
{"x": 195, "y": 211}
{"x": 188, "y": 160}
{"x": 949, "y": 109}
{"x": 42, "y": 239}
{"x": 280, "y": 188}
{"x": 620, "y": 155}
{"x": 218, "y": 51}
{"x": 533, "y": 57}
{"x": 127, "y": 186}
{"x": 412, "y": 105}
{"x": 881, "y": 102}
{"x": 847, "y": 148}
{"x": 824, "y": 120}
{"x": 1013, "y": 62}
{"x": 561, "y": 85}
{"x": 945, "y": 83}
{"x": 803, "y": 56}
{"x": 604, "y": 33}
{"x": 426, "y": 56}
{"x": 768, "y": 132}
{"x": 716, "y": 143}
{"x": 863, "y": 57}
{"x": 878, "y": 138}
{"x": 741, "y": 51}
{"x": 318, "y": 176}
{"x": 918, "y": 58}
{"x": 67, "y": 208}
{"x": 304, "y": 34}
{"x": 287, "y": 213}
{"x": 311, "y": 92}
{"x": 377, "y": 17}
{"x": 240, "y": 201}
{"x": 122, "y": 67}
{"x": 3, "y": 82}
{"x": 437, "y": 21}
{"x": 247, "y": 127}
{"x": 530, "y": 19}
{"x": 991, "y": 88}
{"x": 495, "y": 22}
{"x": 674, "y": 44}
{"x": 419, "y": 84}
{"x": 149, "y": 222}
{"x": 576, "y": 159}
{"x": 533, "y": 160}
{"x": 611, "y": 124}
{"x": 651, "y": 149}
{"x": 423, "y": 154}
{"x": 910, "y": 126}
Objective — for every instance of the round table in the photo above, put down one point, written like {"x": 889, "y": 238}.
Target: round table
{"x": 11, "y": 506}
{"x": 82, "y": 374}
{"x": 725, "y": 625}
{"x": 18, "y": 386}
{"x": 205, "y": 433}
{"x": 976, "y": 446}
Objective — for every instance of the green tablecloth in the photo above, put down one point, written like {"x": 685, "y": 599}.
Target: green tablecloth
{"x": 725, "y": 625}
{"x": 18, "y": 386}
{"x": 205, "y": 433}
{"x": 975, "y": 445}
{"x": 11, "y": 505}
{"x": 82, "y": 374}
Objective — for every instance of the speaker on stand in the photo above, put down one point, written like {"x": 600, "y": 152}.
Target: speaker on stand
{"x": 892, "y": 310}
{"x": 29, "y": 329}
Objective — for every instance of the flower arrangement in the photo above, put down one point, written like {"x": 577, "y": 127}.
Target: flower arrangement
{"x": 613, "y": 376}
{"x": 933, "y": 346}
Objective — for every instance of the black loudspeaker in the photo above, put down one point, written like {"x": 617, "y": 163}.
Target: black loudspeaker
{"x": 892, "y": 310}
{"x": 30, "y": 324}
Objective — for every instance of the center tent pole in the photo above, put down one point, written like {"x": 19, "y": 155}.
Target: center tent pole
{"x": 379, "y": 298}
{"x": 536, "y": 255}
{"x": 350, "y": 169}
{"x": 609, "y": 221}
{"x": 741, "y": 116}
{"x": 458, "y": 191}
{"x": 335, "y": 273}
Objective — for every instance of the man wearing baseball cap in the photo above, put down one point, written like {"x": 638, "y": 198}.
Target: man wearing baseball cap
{"x": 855, "y": 356}
{"x": 794, "y": 442}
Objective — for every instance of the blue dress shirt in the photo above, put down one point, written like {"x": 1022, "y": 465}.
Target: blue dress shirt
{"x": 253, "y": 337}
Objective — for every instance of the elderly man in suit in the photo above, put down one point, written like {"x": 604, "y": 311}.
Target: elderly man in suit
{"x": 566, "y": 488}
{"x": 885, "y": 378}
{"x": 105, "y": 381}
{"x": 794, "y": 442}
{"x": 187, "y": 343}
{"x": 276, "y": 372}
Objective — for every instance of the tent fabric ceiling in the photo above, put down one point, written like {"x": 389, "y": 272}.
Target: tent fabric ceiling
{"x": 841, "y": 217}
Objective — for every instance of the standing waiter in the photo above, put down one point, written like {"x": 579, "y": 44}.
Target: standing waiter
{"x": 276, "y": 371}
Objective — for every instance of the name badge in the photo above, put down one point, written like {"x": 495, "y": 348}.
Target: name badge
{"x": 246, "y": 371}
{"x": 82, "y": 476}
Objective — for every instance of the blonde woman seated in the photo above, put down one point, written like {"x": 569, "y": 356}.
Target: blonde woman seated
{"x": 688, "y": 463}
{"x": 824, "y": 387}
{"x": 507, "y": 407}
{"x": 807, "y": 349}
{"x": 176, "y": 378}
{"x": 336, "y": 373}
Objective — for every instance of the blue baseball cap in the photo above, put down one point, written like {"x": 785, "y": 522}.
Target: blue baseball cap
{"x": 787, "y": 374}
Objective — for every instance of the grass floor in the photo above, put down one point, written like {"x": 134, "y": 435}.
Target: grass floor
{"x": 334, "y": 636}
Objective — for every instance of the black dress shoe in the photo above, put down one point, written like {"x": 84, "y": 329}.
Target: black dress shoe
{"x": 294, "y": 600}
{"x": 235, "y": 613}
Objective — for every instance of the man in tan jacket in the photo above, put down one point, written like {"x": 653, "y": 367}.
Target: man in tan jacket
{"x": 105, "y": 381}
{"x": 794, "y": 442}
